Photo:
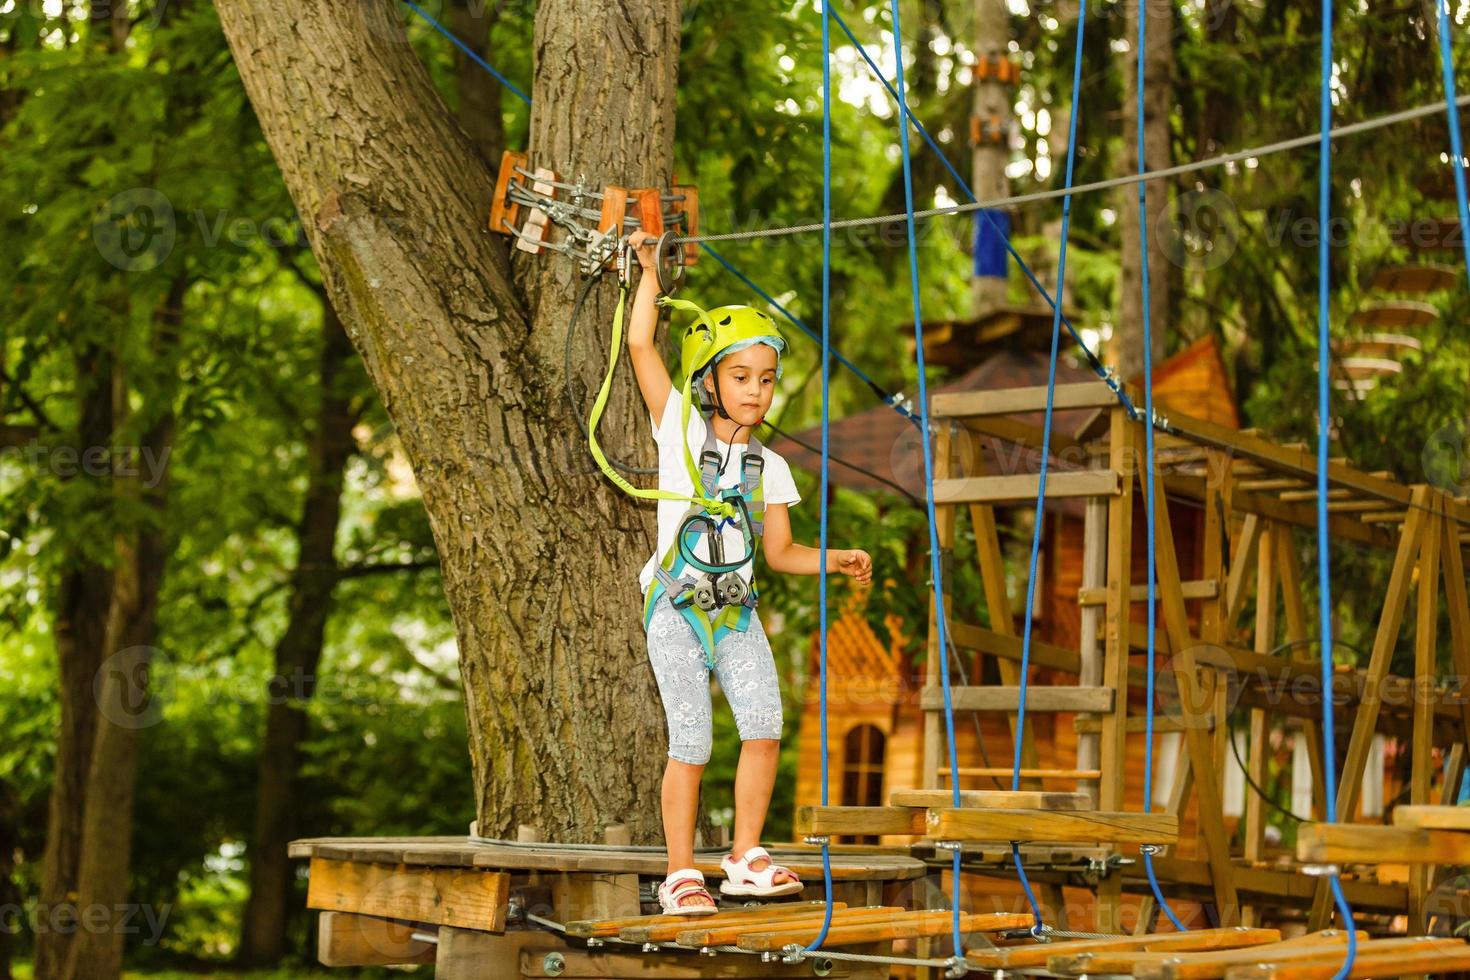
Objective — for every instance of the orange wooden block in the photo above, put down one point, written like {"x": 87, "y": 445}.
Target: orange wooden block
{"x": 689, "y": 208}
{"x": 614, "y": 209}
{"x": 503, "y": 213}
{"x": 650, "y": 210}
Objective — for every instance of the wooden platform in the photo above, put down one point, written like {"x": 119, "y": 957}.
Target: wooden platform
{"x": 462, "y": 905}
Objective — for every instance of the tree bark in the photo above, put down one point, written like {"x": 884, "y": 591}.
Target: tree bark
{"x": 539, "y": 554}
{"x": 121, "y": 690}
{"x": 1158, "y": 100}
{"x": 298, "y": 652}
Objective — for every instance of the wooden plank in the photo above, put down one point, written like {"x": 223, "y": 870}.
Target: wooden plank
{"x": 1376, "y": 958}
{"x": 445, "y": 896}
{"x": 689, "y": 208}
{"x": 1193, "y": 590}
{"x": 1192, "y": 707}
{"x": 1004, "y": 698}
{"x": 1009, "y": 401}
{"x": 691, "y": 934}
{"x": 636, "y": 925}
{"x": 1346, "y": 843}
{"x": 997, "y": 771}
{"x": 832, "y": 821}
{"x": 1022, "y": 487}
{"x": 1234, "y": 946}
{"x": 910, "y": 926}
{"x": 1365, "y": 719}
{"x": 948, "y": 823}
{"x": 1008, "y": 647}
{"x": 345, "y": 939}
{"x": 1162, "y": 726}
{"x": 990, "y": 799}
{"x": 1255, "y": 806}
{"x": 1212, "y": 965}
{"x": 1036, "y": 955}
{"x": 1432, "y": 817}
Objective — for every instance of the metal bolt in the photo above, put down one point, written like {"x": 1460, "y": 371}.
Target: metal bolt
{"x": 554, "y": 964}
{"x": 650, "y": 947}
{"x": 822, "y": 967}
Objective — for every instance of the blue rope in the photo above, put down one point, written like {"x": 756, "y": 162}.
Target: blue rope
{"x": 826, "y": 404}
{"x": 1151, "y": 503}
{"x": 1092, "y": 359}
{"x": 1324, "y": 425}
{"x": 469, "y": 51}
{"x": 1457, "y": 150}
{"x": 1051, "y": 388}
{"x": 935, "y": 571}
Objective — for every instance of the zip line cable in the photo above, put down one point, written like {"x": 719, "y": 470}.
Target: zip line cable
{"x": 1209, "y": 163}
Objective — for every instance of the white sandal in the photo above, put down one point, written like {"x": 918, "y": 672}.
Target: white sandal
{"x": 670, "y": 894}
{"x": 741, "y": 880}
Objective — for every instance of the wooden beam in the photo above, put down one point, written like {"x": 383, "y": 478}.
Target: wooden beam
{"x": 1204, "y": 963}
{"x": 948, "y": 823}
{"x": 1192, "y": 710}
{"x": 1162, "y": 726}
{"x": 1113, "y": 742}
{"x": 1002, "y": 771}
{"x": 935, "y": 652}
{"x": 697, "y": 933}
{"x": 1036, "y": 955}
{"x": 1009, "y": 401}
{"x": 638, "y": 928}
{"x": 344, "y": 939}
{"x": 1432, "y": 817}
{"x": 989, "y": 799}
{"x": 445, "y": 896}
{"x": 1090, "y": 654}
{"x": 834, "y": 821}
{"x": 1294, "y": 603}
{"x": 1008, "y": 647}
{"x": 1421, "y": 761}
{"x": 1457, "y": 604}
{"x": 1347, "y": 843}
{"x": 1194, "y": 589}
{"x": 1063, "y": 697}
{"x": 1365, "y": 720}
{"x": 1376, "y": 958}
{"x": 909, "y": 925}
{"x": 1023, "y": 487}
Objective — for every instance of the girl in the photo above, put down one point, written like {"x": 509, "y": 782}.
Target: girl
{"x": 699, "y": 598}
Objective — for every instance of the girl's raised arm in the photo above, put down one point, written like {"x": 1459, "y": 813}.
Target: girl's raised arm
{"x": 648, "y": 366}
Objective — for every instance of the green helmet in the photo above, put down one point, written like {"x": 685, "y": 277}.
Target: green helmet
{"x": 723, "y": 329}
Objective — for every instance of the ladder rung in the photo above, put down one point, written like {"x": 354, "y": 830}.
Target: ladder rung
{"x": 1025, "y": 773}
{"x": 1047, "y": 825}
{"x": 1007, "y": 401}
{"x": 1002, "y": 698}
{"x": 1208, "y": 588}
{"x": 1023, "y": 486}
{"x": 993, "y": 799}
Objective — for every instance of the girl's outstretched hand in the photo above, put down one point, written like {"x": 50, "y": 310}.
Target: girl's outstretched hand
{"x": 857, "y": 564}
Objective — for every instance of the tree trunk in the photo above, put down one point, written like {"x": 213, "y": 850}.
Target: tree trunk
{"x": 479, "y": 92}
{"x": 123, "y": 699}
{"x": 298, "y": 653}
{"x": 539, "y": 554}
{"x": 83, "y": 595}
{"x": 9, "y": 894}
{"x": 1158, "y": 100}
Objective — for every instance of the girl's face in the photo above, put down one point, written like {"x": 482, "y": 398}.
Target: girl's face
{"x": 747, "y": 383}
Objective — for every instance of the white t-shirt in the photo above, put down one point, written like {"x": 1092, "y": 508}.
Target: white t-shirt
{"x": 673, "y": 474}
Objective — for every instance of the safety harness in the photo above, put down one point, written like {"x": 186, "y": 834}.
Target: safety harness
{"x": 709, "y": 593}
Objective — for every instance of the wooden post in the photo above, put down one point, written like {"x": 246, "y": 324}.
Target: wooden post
{"x": 1094, "y": 575}
{"x": 1297, "y": 631}
{"x": 1265, "y": 641}
{"x": 1365, "y": 720}
{"x": 1196, "y": 732}
{"x": 1421, "y": 760}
